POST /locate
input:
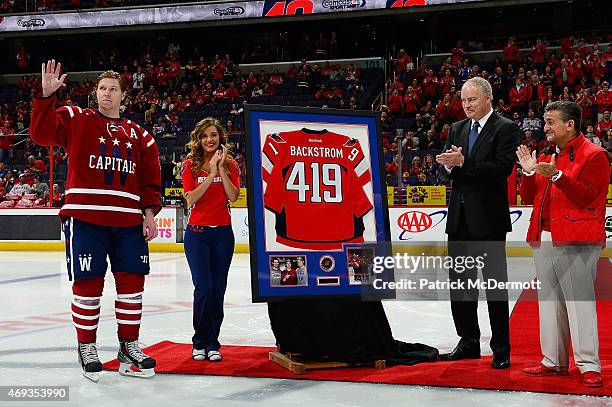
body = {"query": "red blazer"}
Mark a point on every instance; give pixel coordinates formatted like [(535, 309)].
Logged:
[(518, 98), (411, 103), (559, 76), (578, 198), (541, 92)]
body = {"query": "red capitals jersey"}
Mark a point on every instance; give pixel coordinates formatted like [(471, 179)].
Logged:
[(213, 208), (113, 170), (314, 185)]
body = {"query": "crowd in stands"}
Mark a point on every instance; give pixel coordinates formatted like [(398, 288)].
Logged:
[(277, 46), (170, 89), (424, 100), (29, 188)]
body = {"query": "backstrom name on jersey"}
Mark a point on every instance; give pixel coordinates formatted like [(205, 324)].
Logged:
[(324, 152)]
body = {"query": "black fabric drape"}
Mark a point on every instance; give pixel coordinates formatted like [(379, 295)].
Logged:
[(343, 331)]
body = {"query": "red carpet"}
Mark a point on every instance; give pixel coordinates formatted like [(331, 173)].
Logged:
[(248, 361)]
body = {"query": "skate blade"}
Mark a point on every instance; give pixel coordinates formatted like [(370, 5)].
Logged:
[(125, 369), (93, 376)]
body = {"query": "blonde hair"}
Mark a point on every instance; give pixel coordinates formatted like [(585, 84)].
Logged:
[(196, 153), (108, 75), (112, 75)]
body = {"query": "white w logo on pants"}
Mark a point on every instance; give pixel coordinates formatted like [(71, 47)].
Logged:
[(85, 262)]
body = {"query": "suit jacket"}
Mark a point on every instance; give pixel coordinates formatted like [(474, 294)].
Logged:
[(482, 179)]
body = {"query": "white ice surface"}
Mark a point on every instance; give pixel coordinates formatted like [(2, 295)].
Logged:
[(37, 344)]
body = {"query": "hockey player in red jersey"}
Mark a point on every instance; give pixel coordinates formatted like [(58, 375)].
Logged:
[(355, 263), (112, 195)]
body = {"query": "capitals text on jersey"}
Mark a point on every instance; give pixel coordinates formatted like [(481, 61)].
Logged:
[(112, 163)]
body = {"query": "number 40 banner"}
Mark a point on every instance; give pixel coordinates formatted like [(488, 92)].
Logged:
[(317, 204)]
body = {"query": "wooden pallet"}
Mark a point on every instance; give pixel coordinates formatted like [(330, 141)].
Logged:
[(298, 365)]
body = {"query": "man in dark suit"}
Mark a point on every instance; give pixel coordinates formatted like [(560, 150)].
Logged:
[(479, 156)]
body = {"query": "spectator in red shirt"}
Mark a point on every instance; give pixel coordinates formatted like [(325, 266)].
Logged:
[(603, 100), (597, 66), (536, 93), (538, 52), (219, 93), (276, 78), (397, 84), (529, 140), (416, 167), (126, 75), (269, 90), (232, 91), (23, 59), (161, 77), (174, 72), (36, 166), (567, 45), (583, 50), (322, 93), (417, 88), (392, 167), (7, 138), (60, 156), (447, 81), (29, 178), (511, 51), (603, 125), (252, 80), (457, 105), (445, 110), (411, 102), (403, 59), (430, 85), (458, 53), (291, 72), (578, 66), (564, 74), (585, 100), (518, 97), (58, 196), (217, 70), (395, 103)]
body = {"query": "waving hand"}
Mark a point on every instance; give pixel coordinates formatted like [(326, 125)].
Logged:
[(51, 81)]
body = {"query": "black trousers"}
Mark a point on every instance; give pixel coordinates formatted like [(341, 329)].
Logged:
[(491, 250)]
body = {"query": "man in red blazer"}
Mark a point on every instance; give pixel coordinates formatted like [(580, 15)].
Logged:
[(568, 191)]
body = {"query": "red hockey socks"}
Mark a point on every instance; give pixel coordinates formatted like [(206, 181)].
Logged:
[(128, 307), (86, 307)]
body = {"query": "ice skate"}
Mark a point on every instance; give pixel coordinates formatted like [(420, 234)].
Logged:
[(133, 362), (89, 361)]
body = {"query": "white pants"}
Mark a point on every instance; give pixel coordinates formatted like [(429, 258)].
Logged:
[(567, 304)]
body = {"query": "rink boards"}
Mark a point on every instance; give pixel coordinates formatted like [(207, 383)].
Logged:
[(40, 229)]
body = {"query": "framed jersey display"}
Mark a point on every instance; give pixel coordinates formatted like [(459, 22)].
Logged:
[(317, 204)]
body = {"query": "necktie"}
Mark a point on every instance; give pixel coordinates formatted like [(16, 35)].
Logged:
[(473, 137)]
